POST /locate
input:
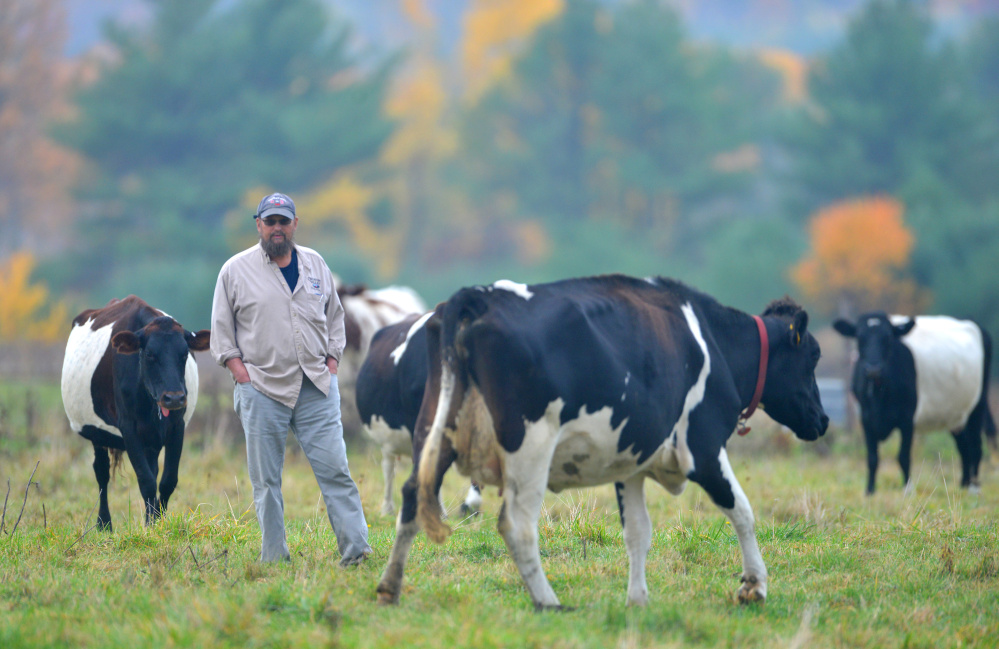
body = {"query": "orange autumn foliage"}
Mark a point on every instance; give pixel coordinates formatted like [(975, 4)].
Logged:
[(25, 310), (859, 259)]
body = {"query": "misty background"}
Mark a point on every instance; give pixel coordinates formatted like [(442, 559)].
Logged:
[(845, 152)]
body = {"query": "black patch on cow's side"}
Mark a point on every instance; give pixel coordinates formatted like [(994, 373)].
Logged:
[(389, 390), (102, 437)]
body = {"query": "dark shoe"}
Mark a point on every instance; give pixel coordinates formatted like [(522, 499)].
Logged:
[(347, 562)]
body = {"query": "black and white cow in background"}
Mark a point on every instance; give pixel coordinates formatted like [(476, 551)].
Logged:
[(588, 381), (129, 383), (924, 373), (389, 392)]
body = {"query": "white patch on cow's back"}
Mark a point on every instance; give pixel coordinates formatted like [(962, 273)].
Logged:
[(514, 287), (402, 298), (694, 396), (392, 441), (949, 357), (401, 349), (84, 351)]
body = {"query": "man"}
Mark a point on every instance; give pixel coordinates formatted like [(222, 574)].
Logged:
[(277, 325)]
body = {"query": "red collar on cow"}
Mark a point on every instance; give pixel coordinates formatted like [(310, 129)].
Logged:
[(761, 377)]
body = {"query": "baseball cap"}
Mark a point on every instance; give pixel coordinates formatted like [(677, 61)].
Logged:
[(275, 203)]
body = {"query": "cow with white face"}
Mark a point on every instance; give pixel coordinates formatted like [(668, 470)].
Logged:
[(389, 392), (596, 380), (129, 383), (922, 374)]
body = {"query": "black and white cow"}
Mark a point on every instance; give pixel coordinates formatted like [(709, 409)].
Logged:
[(924, 373), (129, 383), (389, 392), (605, 379)]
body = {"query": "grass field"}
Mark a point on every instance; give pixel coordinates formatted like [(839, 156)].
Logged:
[(917, 569)]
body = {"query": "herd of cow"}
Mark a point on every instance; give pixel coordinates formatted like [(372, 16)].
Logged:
[(529, 388)]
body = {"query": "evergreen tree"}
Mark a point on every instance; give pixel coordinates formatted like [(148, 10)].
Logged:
[(612, 114), (213, 99), (889, 104)]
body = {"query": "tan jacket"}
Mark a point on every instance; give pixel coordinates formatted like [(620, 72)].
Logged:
[(278, 334)]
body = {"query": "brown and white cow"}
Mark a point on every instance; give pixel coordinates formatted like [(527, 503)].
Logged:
[(595, 380), (129, 383), (365, 312)]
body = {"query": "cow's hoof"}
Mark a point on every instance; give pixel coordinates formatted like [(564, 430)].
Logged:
[(386, 596), (558, 608), (388, 511), (751, 591), (467, 511)]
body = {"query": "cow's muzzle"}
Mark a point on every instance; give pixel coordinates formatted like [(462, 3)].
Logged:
[(173, 400)]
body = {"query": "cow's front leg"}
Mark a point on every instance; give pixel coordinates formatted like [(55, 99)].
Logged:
[(872, 460), (145, 472), (525, 481), (171, 463), (637, 536), (726, 492), (406, 527)]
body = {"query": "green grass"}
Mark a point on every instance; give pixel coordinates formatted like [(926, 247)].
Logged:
[(918, 569)]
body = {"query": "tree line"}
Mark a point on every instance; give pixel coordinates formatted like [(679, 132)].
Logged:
[(558, 139)]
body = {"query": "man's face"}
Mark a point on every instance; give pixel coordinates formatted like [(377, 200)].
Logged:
[(277, 233)]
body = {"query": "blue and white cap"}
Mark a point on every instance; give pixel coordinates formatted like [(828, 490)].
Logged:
[(276, 203)]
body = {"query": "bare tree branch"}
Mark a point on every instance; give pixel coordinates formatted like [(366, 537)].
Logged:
[(87, 531), (32, 477), (4, 517)]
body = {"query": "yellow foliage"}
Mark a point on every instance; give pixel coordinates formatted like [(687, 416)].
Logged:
[(22, 304), (419, 104), (345, 200), (794, 71), (418, 13), (860, 256), (493, 29)]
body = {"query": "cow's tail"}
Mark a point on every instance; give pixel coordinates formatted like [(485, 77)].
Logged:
[(988, 423), (116, 455), (449, 360)]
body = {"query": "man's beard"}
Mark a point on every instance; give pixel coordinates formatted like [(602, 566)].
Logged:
[(277, 249)]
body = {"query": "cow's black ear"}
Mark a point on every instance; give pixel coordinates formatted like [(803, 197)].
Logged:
[(845, 328), (799, 324), (904, 328), (198, 342), (126, 342)]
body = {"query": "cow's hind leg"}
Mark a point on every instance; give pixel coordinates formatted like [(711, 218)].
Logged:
[(969, 446), (102, 471), (905, 455), (720, 483), (406, 527), (637, 536), (473, 501), (524, 484), (388, 472)]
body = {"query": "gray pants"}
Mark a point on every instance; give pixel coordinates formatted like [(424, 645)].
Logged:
[(315, 421)]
